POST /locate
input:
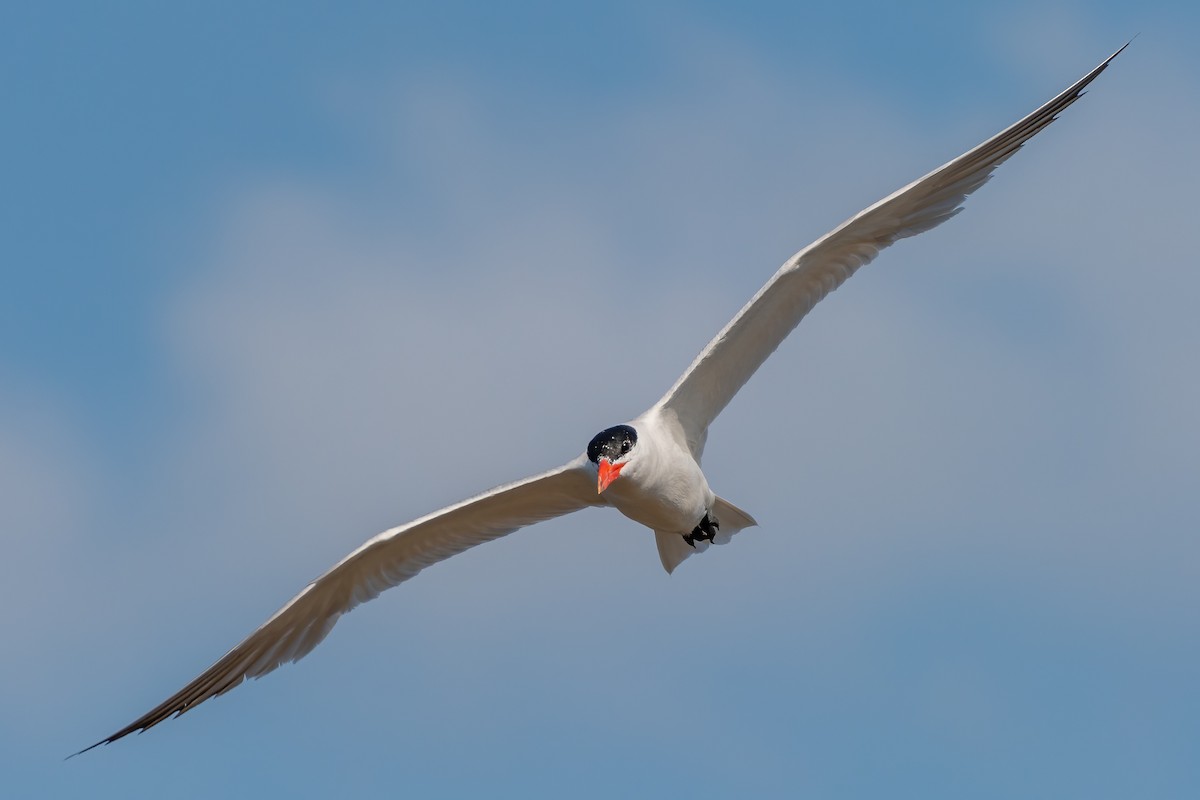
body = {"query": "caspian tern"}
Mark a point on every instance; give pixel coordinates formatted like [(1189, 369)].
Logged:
[(648, 468)]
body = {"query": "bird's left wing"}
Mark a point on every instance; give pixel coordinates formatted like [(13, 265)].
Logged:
[(744, 344), (390, 558)]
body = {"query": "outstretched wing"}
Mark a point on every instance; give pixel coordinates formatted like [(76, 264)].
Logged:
[(390, 558), (744, 344)]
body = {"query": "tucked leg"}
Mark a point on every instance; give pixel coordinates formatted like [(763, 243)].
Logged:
[(705, 531)]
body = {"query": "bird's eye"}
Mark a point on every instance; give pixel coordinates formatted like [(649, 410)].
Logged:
[(625, 445)]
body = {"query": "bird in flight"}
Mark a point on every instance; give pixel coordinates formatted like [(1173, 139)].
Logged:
[(648, 468)]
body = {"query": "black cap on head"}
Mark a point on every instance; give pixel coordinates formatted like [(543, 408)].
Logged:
[(611, 443)]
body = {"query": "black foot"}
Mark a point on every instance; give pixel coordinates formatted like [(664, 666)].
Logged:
[(705, 531)]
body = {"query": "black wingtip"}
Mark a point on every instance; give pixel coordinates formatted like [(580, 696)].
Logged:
[(89, 747), (121, 734), (1104, 64), (1121, 49)]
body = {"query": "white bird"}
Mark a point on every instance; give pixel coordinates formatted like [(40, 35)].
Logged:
[(648, 468)]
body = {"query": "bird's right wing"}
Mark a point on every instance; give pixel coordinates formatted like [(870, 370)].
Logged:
[(382, 562), (744, 344)]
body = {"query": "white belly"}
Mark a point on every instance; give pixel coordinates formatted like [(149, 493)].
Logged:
[(665, 493)]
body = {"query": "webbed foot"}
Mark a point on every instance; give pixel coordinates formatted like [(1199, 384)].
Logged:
[(705, 531)]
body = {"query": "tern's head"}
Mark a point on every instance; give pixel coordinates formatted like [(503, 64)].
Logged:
[(609, 450)]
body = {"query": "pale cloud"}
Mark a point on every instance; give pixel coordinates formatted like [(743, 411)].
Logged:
[(47, 497), (44, 490)]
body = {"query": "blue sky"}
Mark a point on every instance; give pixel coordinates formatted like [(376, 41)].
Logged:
[(277, 278)]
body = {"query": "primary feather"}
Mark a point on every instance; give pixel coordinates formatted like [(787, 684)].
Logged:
[(380, 563), (741, 347)]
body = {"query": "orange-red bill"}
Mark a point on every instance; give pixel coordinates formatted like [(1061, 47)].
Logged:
[(608, 473)]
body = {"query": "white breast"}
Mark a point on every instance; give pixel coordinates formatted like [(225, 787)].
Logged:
[(662, 486)]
